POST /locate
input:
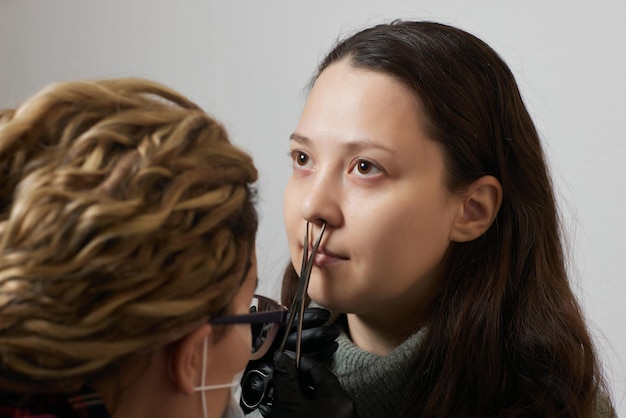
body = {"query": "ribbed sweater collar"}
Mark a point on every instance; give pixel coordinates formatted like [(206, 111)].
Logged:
[(376, 383)]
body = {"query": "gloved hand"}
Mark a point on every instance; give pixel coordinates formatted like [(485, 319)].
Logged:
[(311, 391), (318, 341)]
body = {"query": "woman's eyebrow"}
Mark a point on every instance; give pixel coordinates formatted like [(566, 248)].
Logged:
[(362, 144), (299, 138), (353, 146)]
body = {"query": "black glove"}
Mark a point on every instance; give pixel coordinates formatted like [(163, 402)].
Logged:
[(311, 391), (318, 341)]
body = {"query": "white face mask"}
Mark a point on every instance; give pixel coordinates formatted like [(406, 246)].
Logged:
[(232, 410)]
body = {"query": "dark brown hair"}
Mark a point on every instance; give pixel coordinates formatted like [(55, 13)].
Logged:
[(506, 336)]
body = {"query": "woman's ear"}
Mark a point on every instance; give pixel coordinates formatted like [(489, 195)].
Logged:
[(480, 205), (186, 365)]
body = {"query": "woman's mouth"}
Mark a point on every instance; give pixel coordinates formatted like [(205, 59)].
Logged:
[(325, 257)]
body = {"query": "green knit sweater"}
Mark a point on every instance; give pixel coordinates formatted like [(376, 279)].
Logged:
[(375, 383)]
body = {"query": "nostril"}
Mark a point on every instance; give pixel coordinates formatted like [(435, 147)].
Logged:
[(309, 238), (320, 222)]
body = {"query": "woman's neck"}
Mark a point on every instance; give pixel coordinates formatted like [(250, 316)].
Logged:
[(380, 335)]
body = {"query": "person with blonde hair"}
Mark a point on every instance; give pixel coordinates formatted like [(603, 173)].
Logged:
[(127, 256)]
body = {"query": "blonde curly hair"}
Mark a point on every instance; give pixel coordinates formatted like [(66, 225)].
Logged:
[(126, 216)]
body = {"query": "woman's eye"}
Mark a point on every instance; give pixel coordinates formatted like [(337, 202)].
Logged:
[(300, 158), (366, 167)]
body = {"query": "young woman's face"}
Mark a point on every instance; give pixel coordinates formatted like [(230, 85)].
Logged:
[(363, 163)]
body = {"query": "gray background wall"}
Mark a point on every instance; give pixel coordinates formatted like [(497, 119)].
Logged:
[(247, 62)]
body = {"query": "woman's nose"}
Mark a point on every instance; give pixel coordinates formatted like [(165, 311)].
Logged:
[(321, 201)]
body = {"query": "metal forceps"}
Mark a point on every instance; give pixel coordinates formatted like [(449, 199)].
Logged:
[(297, 306)]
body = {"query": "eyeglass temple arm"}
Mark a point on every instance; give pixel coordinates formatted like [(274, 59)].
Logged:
[(252, 318)]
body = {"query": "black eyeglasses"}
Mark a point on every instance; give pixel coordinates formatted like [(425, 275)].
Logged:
[(265, 318)]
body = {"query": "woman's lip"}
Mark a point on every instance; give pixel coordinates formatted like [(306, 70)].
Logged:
[(324, 257), (328, 253)]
